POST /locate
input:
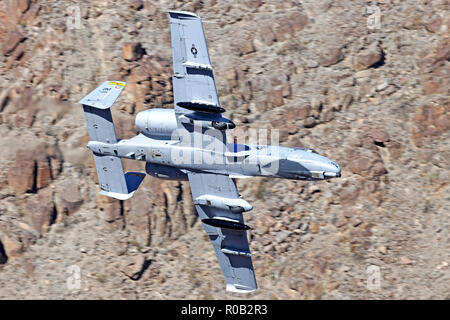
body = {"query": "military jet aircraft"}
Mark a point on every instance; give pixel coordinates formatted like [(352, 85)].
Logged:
[(189, 143)]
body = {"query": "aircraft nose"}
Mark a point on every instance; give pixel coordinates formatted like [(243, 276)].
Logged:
[(333, 170)]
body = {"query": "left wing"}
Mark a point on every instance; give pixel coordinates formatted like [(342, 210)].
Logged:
[(226, 229)]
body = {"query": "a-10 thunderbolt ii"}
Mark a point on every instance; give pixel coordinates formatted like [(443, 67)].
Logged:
[(176, 145)]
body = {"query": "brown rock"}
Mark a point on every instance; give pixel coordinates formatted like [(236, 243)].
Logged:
[(378, 169), (291, 113), (369, 57), (140, 92), (232, 77), (309, 122), (394, 148), (349, 194), (382, 250), (430, 122), (286, 90), (246, 47), (18, 51), (436, 58), (12, 41), (112, 208), (135, 268), (21, 175), (346, 100), (30, 15), (436, 83), (275, 97), (31, 115), (34, 168), (413, 22), (405, 261), (265, 223), (331, 57), (254, 3), (69, 198), (136, 4), (40, 210), (434, 25), (43, 173), (136, 213), (132, 51), (328, 115), (23, 5), (48, 164), (151, 8), (304, 112), (55, 157), (11, 246), (280, 124), (267, 35), (298, 21), (379, 136), (139, 74), (442, 52), (361, 166), (314, 227), (283, 30)]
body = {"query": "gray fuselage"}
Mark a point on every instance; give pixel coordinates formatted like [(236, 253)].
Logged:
[(168, 159)]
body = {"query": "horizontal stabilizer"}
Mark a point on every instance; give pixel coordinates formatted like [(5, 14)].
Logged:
[(133, 181), (104, 96)]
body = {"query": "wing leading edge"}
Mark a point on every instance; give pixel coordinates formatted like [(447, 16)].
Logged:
[(229, 239)]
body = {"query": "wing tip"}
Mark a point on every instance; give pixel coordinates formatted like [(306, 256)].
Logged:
[(183, 13), (117, 195), (239, 289)]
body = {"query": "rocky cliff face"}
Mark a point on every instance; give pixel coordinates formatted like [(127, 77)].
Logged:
[(375, 100)]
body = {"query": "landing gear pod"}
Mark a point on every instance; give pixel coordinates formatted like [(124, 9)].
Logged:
[(234, 205)]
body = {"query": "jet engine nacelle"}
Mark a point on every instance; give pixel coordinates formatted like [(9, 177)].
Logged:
[(165, 172), (234, 205), (157, 122)]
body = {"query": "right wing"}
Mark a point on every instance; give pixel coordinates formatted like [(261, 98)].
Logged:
[(230, 244), (193, 80), (194, 88)]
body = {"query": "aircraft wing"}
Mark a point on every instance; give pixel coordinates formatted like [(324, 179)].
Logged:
[(225, 230), (194, 88), (193, 79)]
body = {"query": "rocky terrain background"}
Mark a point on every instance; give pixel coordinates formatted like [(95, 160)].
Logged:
[(374, 100)]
